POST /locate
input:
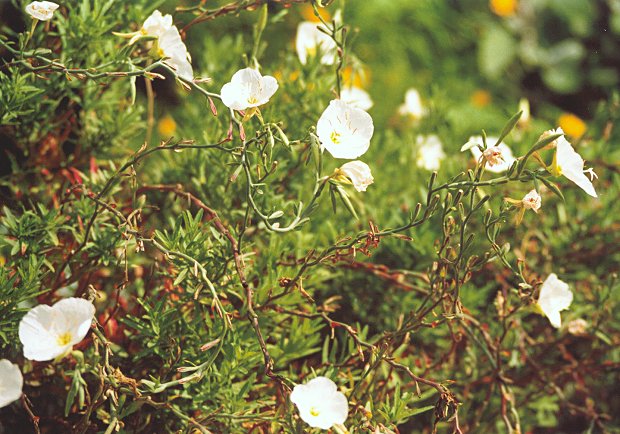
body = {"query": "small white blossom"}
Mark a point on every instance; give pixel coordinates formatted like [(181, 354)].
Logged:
[(172, 47), (554, 297), (577, 327), (156, 24), (413, 105), (43, 11), (248, 88), (320, 404), (310, 41), (532, 201), (429, 152), (11, 383), (356, 97), (345, 131), (499, 158), (569, 163), (359, 174), (47, 332)]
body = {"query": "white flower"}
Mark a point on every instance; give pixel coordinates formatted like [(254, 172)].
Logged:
[(412, 105), (569, 163), (499, 158), (359, 174), (532, 201), (47, 332), (554, 297), (41, 10), (320, 404), (310, 40), (11, 383), (577, 327), (356, 97), (156, 24), (429, 152), (345, 131), (248, 88), (171, 46)]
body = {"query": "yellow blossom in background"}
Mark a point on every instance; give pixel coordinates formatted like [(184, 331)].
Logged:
[(307, 12), (356, 77), (166, 126), (481, 98), (572, 125), (504, 8)]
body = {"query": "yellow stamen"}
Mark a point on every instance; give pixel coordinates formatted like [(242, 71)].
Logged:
[(252, 100), (314, 412), (64, 339), (335, 137)]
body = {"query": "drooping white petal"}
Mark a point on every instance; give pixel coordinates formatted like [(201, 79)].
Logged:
[(499, 165), (570, 164), (356, 97), (413, 105), (248, 88), (555, 296), (47, 332), (359, 174), (319, 403), (429, 152), (310, 41), (11, 383), (43, 11), (345, 131), (156, 24), (532, 201), (172, 47)]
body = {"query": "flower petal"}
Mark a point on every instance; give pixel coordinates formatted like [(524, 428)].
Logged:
[(11, 382)]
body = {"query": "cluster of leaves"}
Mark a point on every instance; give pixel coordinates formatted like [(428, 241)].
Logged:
[(209, 309)]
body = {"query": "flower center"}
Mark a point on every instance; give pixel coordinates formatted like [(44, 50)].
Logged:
[(252, 100), (314, 412), (64, 339), (335, 137)]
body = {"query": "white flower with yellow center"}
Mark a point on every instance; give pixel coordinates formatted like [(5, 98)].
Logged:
[(311, 41), (554, 297), (532, 201), (412, 106), (429, 152), (356, 97), (247, 89), (345, 131), (173, 49), (498, 158), (569, 163), (43, 11), (156, 24), (320, 404), (47, 332), (358, 173), (11, 383)]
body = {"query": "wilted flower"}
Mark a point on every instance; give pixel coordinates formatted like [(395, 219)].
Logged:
[(554, 297), (577, 327), (413, 105), (532, 201), (359, 174), (47, 332), (319, 403), (310, 41), (248, 88), (41, 10), (429, 152), (499, 158), (172, 47), (11, 382), (569, 163), (156, 24), (345, 131), (356, 97)]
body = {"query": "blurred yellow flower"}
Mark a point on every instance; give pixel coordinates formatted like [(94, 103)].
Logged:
[(358, 77), (572, 125), (307, 12), (504, 8), (481, 98), (166, 126)]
